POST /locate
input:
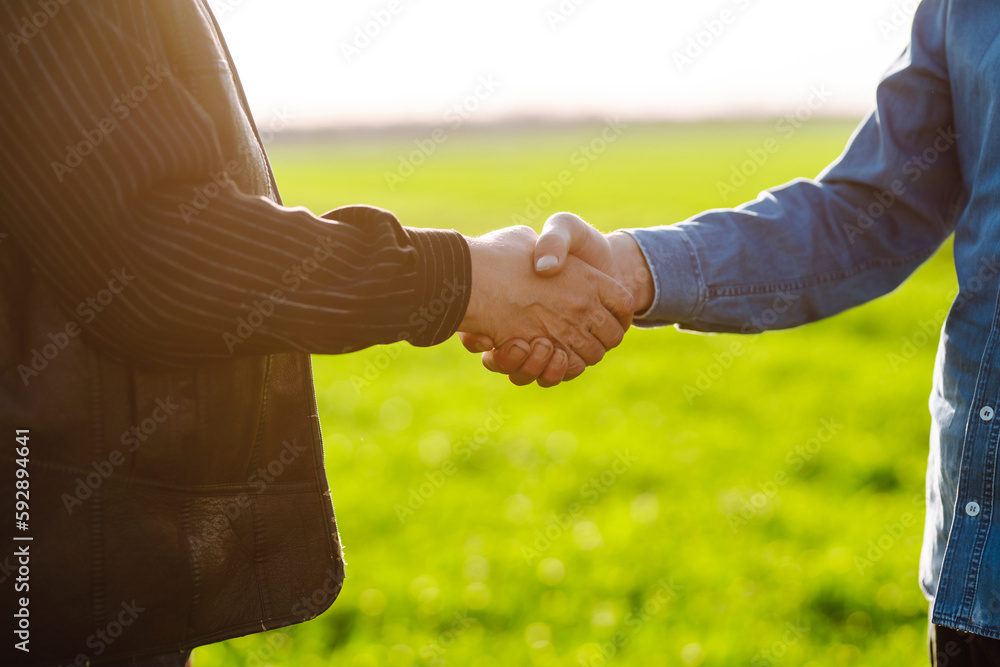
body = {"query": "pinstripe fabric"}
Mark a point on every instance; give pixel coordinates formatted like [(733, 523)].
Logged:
[(108, 163), (136, 203)]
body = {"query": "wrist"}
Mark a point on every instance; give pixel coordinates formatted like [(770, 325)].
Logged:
[(632, 270), (472, 322)]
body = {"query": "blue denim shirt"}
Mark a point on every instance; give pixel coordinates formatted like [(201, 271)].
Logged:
[(923, 165)]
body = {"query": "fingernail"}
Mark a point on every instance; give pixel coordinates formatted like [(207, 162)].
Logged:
[(560, 359), (519, 353), (483, 347), (546, 263)]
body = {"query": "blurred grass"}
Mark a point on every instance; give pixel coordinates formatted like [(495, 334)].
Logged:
[(719, 543)]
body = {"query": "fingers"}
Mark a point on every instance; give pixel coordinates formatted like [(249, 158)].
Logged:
[(566, 234), (607, 329), (595, 309), (536, 363), (574, 367), (555, 372), (476, 342), (583, 311), (544, 364), (507, 358), (549, 366), (553, 245), (617, 300), (490, 362), (587, 348)]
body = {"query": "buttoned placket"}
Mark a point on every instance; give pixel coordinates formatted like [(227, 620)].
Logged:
[(964, 553)]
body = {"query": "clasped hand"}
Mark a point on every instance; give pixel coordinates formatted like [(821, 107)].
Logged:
[(571, 292)]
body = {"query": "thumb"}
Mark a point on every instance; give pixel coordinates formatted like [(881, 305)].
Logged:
[(566, 234), (476, 342)]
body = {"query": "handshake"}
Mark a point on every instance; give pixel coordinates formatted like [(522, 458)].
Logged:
[(543, 308)]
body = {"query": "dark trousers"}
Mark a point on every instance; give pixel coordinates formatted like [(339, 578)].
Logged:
[(957, 648)]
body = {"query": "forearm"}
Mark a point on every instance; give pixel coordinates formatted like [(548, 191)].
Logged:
[(149, 242), (813, 248), (249, 277), (780, 262)]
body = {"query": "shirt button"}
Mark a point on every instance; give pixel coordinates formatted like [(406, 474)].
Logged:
[(972, 509), (986, 414)]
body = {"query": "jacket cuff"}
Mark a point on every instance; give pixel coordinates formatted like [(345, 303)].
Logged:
[(680, 286), (444, 275)]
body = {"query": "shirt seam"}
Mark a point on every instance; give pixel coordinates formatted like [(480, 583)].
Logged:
[(816, 279), (701, 300)]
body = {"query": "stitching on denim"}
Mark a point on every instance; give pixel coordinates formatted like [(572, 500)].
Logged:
[(703, 293), (816, 279)]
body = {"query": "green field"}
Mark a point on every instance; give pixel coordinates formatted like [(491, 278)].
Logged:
[(755, 476)]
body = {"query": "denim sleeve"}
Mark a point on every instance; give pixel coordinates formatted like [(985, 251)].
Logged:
[(813, 248)]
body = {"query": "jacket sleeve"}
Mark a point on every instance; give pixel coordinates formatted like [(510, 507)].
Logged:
[(116, 190), (813, 248)]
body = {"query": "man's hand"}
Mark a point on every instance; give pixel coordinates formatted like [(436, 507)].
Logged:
[(566, 237), (581, 312), (617, 254)]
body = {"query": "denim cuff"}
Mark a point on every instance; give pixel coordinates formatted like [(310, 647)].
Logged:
[(680, 287)]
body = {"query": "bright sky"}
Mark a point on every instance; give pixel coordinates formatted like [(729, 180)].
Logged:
[(377, 62)]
